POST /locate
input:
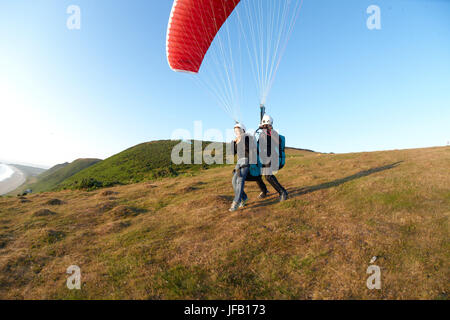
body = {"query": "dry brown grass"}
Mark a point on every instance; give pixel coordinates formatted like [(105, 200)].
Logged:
[(175, 239)]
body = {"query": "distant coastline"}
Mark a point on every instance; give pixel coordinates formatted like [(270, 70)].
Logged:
[(17, 179)]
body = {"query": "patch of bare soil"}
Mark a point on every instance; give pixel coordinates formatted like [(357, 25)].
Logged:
[(54, 202), (43, 213)]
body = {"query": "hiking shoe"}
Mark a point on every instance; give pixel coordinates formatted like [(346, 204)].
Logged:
[(262, 195), (234, 207), (283, 196)]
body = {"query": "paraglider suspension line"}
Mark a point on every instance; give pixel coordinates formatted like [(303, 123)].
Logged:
[(263, 111)]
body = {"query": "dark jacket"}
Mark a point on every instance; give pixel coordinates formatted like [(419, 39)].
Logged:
[(269, 143), (242, 149)]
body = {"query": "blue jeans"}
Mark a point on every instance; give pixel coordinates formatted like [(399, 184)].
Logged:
[(239, 181)]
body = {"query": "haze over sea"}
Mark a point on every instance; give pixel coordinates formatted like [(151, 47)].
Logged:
[(5, 172)]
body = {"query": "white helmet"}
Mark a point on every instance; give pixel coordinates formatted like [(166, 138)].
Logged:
[(240, 125), (267, 120)]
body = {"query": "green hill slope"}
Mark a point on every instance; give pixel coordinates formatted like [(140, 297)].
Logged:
[(52, 170), (146, 161), (51, 178)]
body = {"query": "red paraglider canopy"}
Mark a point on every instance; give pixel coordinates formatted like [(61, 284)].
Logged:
[(192, 28)]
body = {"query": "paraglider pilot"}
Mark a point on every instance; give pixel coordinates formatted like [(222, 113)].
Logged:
[(268, 142)]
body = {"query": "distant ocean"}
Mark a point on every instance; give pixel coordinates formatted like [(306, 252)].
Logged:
[(5, 172)]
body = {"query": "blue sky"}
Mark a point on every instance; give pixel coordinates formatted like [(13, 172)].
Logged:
[(66, 94)]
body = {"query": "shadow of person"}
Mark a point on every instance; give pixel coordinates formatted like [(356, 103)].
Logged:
[(295, 192)]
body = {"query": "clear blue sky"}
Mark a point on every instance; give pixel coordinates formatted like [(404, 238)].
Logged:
[(99, 90)]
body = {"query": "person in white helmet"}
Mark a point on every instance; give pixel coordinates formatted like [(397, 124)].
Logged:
[(269, 142), (242, 146)]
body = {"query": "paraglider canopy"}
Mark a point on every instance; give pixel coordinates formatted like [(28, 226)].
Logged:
[(193, 24)]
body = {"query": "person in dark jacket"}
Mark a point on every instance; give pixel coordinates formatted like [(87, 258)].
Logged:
[(268, 142)]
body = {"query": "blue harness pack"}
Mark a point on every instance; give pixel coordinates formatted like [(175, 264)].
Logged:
[(255, 169)]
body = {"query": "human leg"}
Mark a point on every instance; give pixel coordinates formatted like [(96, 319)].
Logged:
[(277, 186)]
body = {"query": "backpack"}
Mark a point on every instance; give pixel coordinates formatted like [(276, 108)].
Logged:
[(255, 169), (281, 152)]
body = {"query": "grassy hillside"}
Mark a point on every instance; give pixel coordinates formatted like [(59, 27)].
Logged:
[(31, 180), (146, 161), (174, 238), (51, 178), (53, 169)]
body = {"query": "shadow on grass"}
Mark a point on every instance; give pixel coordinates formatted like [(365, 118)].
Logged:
[(295, 192)]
